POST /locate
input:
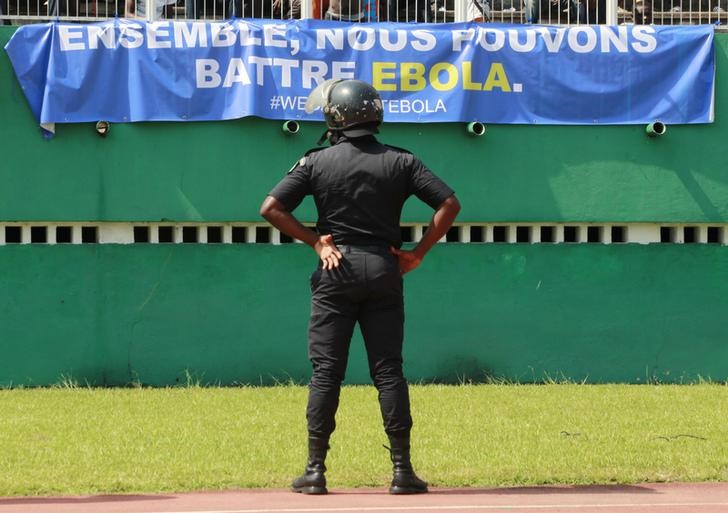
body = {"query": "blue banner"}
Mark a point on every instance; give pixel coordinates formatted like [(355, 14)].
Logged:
[(129, 70)]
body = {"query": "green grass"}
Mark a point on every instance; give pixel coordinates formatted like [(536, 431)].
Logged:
[(76, 440)]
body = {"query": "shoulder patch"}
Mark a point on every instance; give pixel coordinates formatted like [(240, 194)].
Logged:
[(398, 148), (314, 150), (301, 162)]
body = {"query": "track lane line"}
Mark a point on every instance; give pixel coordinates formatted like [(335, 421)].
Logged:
[(464, 507)]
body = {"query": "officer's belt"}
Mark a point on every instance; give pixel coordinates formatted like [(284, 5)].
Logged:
[(348, 248)]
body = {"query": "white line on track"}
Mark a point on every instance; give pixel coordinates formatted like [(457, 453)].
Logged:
[(465, 507)]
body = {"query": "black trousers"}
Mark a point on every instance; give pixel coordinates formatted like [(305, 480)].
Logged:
[(365, 288)]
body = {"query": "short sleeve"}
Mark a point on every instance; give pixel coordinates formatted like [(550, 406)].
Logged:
[(295, 186), (427, 186)]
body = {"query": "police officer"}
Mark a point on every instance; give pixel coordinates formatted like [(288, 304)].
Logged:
[(359, 187)]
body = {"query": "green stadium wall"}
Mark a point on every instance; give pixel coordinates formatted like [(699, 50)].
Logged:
[(161, 314)]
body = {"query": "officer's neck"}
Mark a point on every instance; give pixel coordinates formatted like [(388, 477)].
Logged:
[(336, 138)]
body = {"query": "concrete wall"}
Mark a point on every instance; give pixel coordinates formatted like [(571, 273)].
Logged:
[(112, 314)]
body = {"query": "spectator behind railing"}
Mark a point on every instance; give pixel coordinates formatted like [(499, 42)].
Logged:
[(592, 12), (138, 9), (267, 9), (402, 11), (355, 11), (193, 9), (479, 10), (62, 8), (641, 10), (345, 10), (289, 10), (552, 11)]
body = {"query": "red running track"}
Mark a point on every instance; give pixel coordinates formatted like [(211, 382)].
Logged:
[(644, 498)]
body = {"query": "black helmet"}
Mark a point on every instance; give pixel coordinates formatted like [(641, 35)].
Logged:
[(349, 106)]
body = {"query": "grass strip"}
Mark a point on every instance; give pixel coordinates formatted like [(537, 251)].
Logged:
[(65, 441)]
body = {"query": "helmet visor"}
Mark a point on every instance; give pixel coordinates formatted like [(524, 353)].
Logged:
[(319, 97)]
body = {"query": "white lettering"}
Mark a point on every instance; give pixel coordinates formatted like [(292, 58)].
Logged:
[(405, 106), (387, 42), (314, 72), (369, 38), (190, 35), (644, 34), (553, 44), (343, 70), (286, 66), (222, 35), (67, 34), (499, 39), (293, 102), (272, 32), (131, 36), (107, 36), (609, 39), (236, 73), (288, 102), (156, 31), (335, 37), (588, 45), (260, 64), (246, 38), (206, 72), (425, 41), (517, 46), (458, 36)]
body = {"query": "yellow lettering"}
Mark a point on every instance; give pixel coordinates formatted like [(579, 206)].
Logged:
[(452, 76), (380, 73), (412, 76), (442, 76), (497, 78), (468, 83)]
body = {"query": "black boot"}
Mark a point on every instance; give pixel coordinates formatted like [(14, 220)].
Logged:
[(404, 479), (313, 481)]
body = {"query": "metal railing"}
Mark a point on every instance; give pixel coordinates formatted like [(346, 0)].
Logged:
[(559, 12), (33, 11), (658, 12), (262, 233)]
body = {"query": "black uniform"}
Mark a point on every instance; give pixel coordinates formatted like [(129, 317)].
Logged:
[(359, 186)]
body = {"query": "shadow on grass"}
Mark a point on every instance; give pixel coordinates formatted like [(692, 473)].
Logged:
[(92, 499), (548, 490), (520, 490), (524, 490)]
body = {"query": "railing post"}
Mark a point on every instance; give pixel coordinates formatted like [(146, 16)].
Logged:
[(306, 9), (151, 6), (461, 10), (611, 14)]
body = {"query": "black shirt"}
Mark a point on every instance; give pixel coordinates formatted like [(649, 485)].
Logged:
[(359, 186)]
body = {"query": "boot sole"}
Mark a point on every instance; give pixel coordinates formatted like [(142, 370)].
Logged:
[(311, 490), (399, 490)]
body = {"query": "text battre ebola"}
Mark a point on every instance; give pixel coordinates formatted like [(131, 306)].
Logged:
[(386, 76), (126, 35)]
